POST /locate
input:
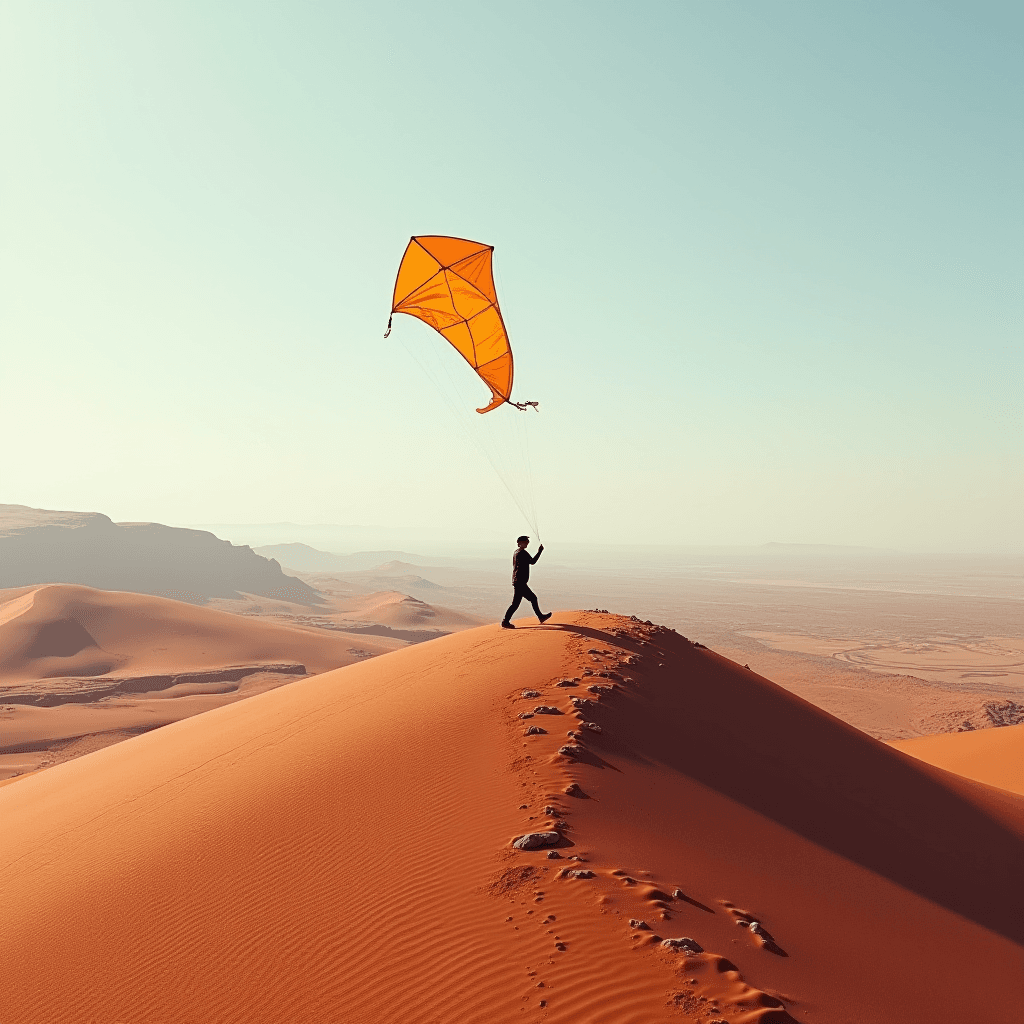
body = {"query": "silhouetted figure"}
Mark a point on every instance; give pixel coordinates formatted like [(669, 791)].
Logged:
[(521, 562)]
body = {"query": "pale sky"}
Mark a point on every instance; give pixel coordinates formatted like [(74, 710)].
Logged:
[(761, 264)]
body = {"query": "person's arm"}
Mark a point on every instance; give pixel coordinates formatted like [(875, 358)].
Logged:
[(533, 561)]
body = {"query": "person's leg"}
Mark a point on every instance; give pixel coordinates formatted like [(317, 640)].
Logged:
[(517, 600), (532, 598)]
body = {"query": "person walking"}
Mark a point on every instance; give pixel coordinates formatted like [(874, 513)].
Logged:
[(521, 562)]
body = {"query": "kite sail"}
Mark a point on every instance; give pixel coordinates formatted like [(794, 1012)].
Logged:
[(448, 284)]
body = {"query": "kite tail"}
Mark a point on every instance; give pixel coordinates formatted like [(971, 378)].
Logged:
[(388, 331), (523, 406)]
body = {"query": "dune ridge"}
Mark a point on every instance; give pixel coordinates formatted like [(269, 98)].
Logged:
[(343, 849)]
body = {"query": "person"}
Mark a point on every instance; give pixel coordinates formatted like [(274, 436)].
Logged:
[(521, 562)]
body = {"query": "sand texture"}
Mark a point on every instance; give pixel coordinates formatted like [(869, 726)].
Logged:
[(992, 756), (341, 849), (82, 668)]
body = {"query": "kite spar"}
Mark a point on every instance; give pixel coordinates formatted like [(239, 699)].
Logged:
[(448, 283)]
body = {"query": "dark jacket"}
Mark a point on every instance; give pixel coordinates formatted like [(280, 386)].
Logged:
[(521, 562)]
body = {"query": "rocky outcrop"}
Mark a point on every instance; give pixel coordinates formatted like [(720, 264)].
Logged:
[(87, 548)]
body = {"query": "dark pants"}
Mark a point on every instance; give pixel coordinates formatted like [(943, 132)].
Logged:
[(517, 600)]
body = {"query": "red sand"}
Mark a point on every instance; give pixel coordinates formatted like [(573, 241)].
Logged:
[(82, 668), (340, 850), (992, 756)]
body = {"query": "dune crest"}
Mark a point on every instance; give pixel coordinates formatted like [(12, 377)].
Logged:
[(345, 849)]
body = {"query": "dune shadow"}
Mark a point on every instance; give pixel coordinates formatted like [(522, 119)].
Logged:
[(693, 903), (942, 837)]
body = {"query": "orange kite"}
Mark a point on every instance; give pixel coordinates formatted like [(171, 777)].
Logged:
[(447, 283)]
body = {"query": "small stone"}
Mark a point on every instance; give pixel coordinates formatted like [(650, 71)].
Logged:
[(527, 694), (573, 789), (579, 873), (540, 984), (689, 945), (639, 925), (571, 734), (543, 709), (535, 730), (566, 682), (526, 714), (592, 726), (571, 750), (535, 840), (677, 894), (560, 946), (550, 811), (554, 855), (592, 650)]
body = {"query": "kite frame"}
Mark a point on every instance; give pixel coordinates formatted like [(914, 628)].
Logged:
[(395, 302)]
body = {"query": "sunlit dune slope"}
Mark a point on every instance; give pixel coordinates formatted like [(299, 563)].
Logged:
[(391, 608), (60, 630), (992, 756), (341, 850)]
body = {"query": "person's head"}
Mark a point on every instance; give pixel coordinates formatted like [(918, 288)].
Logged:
[(523, 542)]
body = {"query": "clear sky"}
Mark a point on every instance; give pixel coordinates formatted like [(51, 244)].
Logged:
[(761, 263)]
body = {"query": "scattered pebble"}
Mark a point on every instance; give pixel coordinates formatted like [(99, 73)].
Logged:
[(526, 714), (642, 926), (560, 946), (524, 807), (571, 750), (571, 734), (573, 789), (543, 709), (554, 855), (527, 694), (552, 811), (592, 726), (678, 894), (535, 840), (535, 730), (567, 682), (688, 944), (579, 873)]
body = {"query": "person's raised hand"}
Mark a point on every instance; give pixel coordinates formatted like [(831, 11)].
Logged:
[(540, 549)]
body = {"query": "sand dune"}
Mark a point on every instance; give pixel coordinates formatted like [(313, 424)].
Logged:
[(341, 849), (992, 756), (77, 662)]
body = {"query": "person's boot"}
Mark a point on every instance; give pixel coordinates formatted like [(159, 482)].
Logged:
[(505, 624), (544, 618)]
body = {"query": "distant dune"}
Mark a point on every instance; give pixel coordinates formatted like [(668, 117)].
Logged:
[(992, 756), (42, 546), (341, 849), (78, 662)]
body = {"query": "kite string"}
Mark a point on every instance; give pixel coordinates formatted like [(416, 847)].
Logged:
[(521, 490)]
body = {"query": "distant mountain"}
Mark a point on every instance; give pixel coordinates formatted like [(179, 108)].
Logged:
[(304, 558), (87, 548)]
